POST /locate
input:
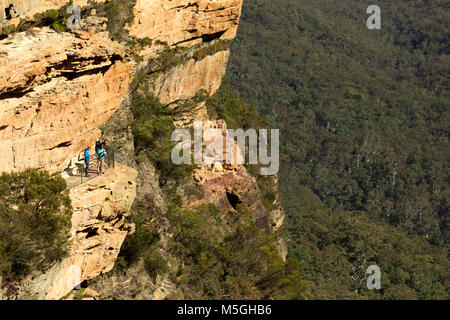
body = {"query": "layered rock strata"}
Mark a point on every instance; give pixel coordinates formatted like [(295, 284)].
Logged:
[(98, 230), (56, 89)]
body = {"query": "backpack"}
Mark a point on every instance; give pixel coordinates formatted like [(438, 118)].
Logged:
[(97, 145)]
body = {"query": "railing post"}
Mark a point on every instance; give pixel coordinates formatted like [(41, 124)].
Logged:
[(109, 160)]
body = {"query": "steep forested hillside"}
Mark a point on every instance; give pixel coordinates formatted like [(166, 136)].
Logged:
[(365, 122)]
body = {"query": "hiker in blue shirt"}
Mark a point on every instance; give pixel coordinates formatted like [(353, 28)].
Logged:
[(87, 160), (101, 154)]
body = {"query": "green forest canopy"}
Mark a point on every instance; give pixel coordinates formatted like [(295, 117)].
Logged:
[(364, 125), (35, 211)]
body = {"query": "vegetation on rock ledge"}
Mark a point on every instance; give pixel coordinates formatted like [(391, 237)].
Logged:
[(35, 212)]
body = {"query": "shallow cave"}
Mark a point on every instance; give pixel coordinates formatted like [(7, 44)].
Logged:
[(212, 36), (91, 232), (233, 199), (62, 145)]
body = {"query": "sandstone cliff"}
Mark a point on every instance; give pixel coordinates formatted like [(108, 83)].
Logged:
[(185, 21), (56, 89), (60, 91), (26, 9), (185, 80), (98, 230)]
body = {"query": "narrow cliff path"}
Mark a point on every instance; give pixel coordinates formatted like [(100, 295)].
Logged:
[(75, 175), (76, 180), (98, 229)]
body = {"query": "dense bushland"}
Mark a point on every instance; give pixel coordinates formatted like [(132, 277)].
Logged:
[(214, 255), (35, 212), (364, 121), (225, 256)]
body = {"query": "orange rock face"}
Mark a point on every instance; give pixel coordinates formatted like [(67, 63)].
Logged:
[(55, 91), (28, 8), (230, 189), (97, 232), (184, 21), (184, 81)]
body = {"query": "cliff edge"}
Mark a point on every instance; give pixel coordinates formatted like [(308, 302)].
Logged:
[(61, 90)]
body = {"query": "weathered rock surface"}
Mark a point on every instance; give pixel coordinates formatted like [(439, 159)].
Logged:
[(229, 185), (185, 21), (26, 9), (56, 90), (228, 190), (98, 230), (185, 80)]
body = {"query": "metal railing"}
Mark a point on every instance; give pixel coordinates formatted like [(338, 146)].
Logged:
[(79, 177)]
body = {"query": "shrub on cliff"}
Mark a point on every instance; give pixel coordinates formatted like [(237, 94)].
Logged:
[(203, 52), (166, 60), (227, 256), (119, 14), (139, 243), (152, 130), (154, 263), (54, 18), (225, 104), (35, 212)]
